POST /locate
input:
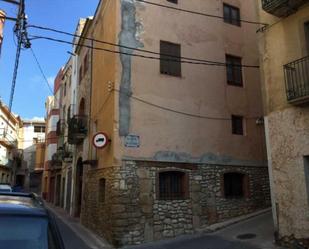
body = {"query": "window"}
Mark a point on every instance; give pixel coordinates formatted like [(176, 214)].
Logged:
[(39, 129), (306, 166), (237, 125), (173, 1), (80, 74), (173, 185), (102, 183), (231, 14), (170, 58), (65, 89), (85, 63), (27, 232), (307, 36), (234, 70), (236, 185)]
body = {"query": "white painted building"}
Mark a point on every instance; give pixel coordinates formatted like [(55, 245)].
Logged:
[(9, 137)]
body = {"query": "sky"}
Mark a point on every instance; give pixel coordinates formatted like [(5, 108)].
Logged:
[(31, 89)]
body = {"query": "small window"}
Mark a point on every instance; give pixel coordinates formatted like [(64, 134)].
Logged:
[(65, 89), (234, 70), (170, 65), (173, 1), (85, 64), (306, 166), (39, 129), (237, 125), (231, 14), (235, 185), (102, 183), (80, 74), (172, 185)]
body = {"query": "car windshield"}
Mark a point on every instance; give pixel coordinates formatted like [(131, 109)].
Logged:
[(23, 232)]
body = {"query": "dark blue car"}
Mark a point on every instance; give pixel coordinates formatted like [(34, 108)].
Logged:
[(26, 224)]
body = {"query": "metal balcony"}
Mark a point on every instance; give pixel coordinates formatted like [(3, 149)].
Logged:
[(56, 161), (77, 129), (282, 8), (65, 152), (297, 81), (60, 127)]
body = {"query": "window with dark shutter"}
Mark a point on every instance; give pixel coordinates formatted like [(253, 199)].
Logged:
[(170, 58), (234, 70), (231, 14), (234, 185), (172, 185), (80, 74), (85, 64), (237, 125), (173, 1)]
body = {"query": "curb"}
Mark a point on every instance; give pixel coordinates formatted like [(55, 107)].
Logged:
[(92, 240)]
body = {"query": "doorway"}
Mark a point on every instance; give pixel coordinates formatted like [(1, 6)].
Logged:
[(79, 186)]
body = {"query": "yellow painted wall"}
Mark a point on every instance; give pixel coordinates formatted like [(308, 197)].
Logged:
[(104, 71), (40, 156)]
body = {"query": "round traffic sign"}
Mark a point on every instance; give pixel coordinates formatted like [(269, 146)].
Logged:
[(100, 140)]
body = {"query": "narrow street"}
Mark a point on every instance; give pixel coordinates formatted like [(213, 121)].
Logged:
[(70, 238), (260, 227)]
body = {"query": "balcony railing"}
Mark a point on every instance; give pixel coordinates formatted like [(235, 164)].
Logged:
[(65, 152), (56, 161), (60, 127), (297, 81), (282, 8), (77, 129)]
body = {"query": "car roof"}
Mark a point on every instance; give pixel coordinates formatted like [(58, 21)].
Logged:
[(5, 186), (21, 204)]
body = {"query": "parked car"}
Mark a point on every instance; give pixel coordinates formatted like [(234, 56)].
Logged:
[(5, 187), (26, 224)]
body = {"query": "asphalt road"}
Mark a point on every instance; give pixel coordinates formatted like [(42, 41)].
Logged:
[(261, 227), (201, 242), (70, 238)]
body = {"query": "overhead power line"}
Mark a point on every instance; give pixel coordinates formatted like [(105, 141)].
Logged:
[(118, 45), (215, 63), (198, 13), (11, 1), (34, 37), (153, 104), (177, 111), (41, 71)]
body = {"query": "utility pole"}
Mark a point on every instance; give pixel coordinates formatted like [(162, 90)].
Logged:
[(22, 41), (22, 36)]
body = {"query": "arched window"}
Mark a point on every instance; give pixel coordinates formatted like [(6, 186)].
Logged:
[(236, 185), (172, 185)]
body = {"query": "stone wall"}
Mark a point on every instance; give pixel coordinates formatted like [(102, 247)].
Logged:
[(132, 214)]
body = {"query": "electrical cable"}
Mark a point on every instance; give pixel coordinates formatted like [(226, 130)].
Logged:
[(34, 37), (132, 48), (42, 72), (198, 13)]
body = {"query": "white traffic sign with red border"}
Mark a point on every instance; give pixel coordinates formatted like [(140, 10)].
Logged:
[(100, 140)]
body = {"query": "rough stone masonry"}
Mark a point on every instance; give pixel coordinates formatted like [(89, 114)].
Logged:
[(131, 212)]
